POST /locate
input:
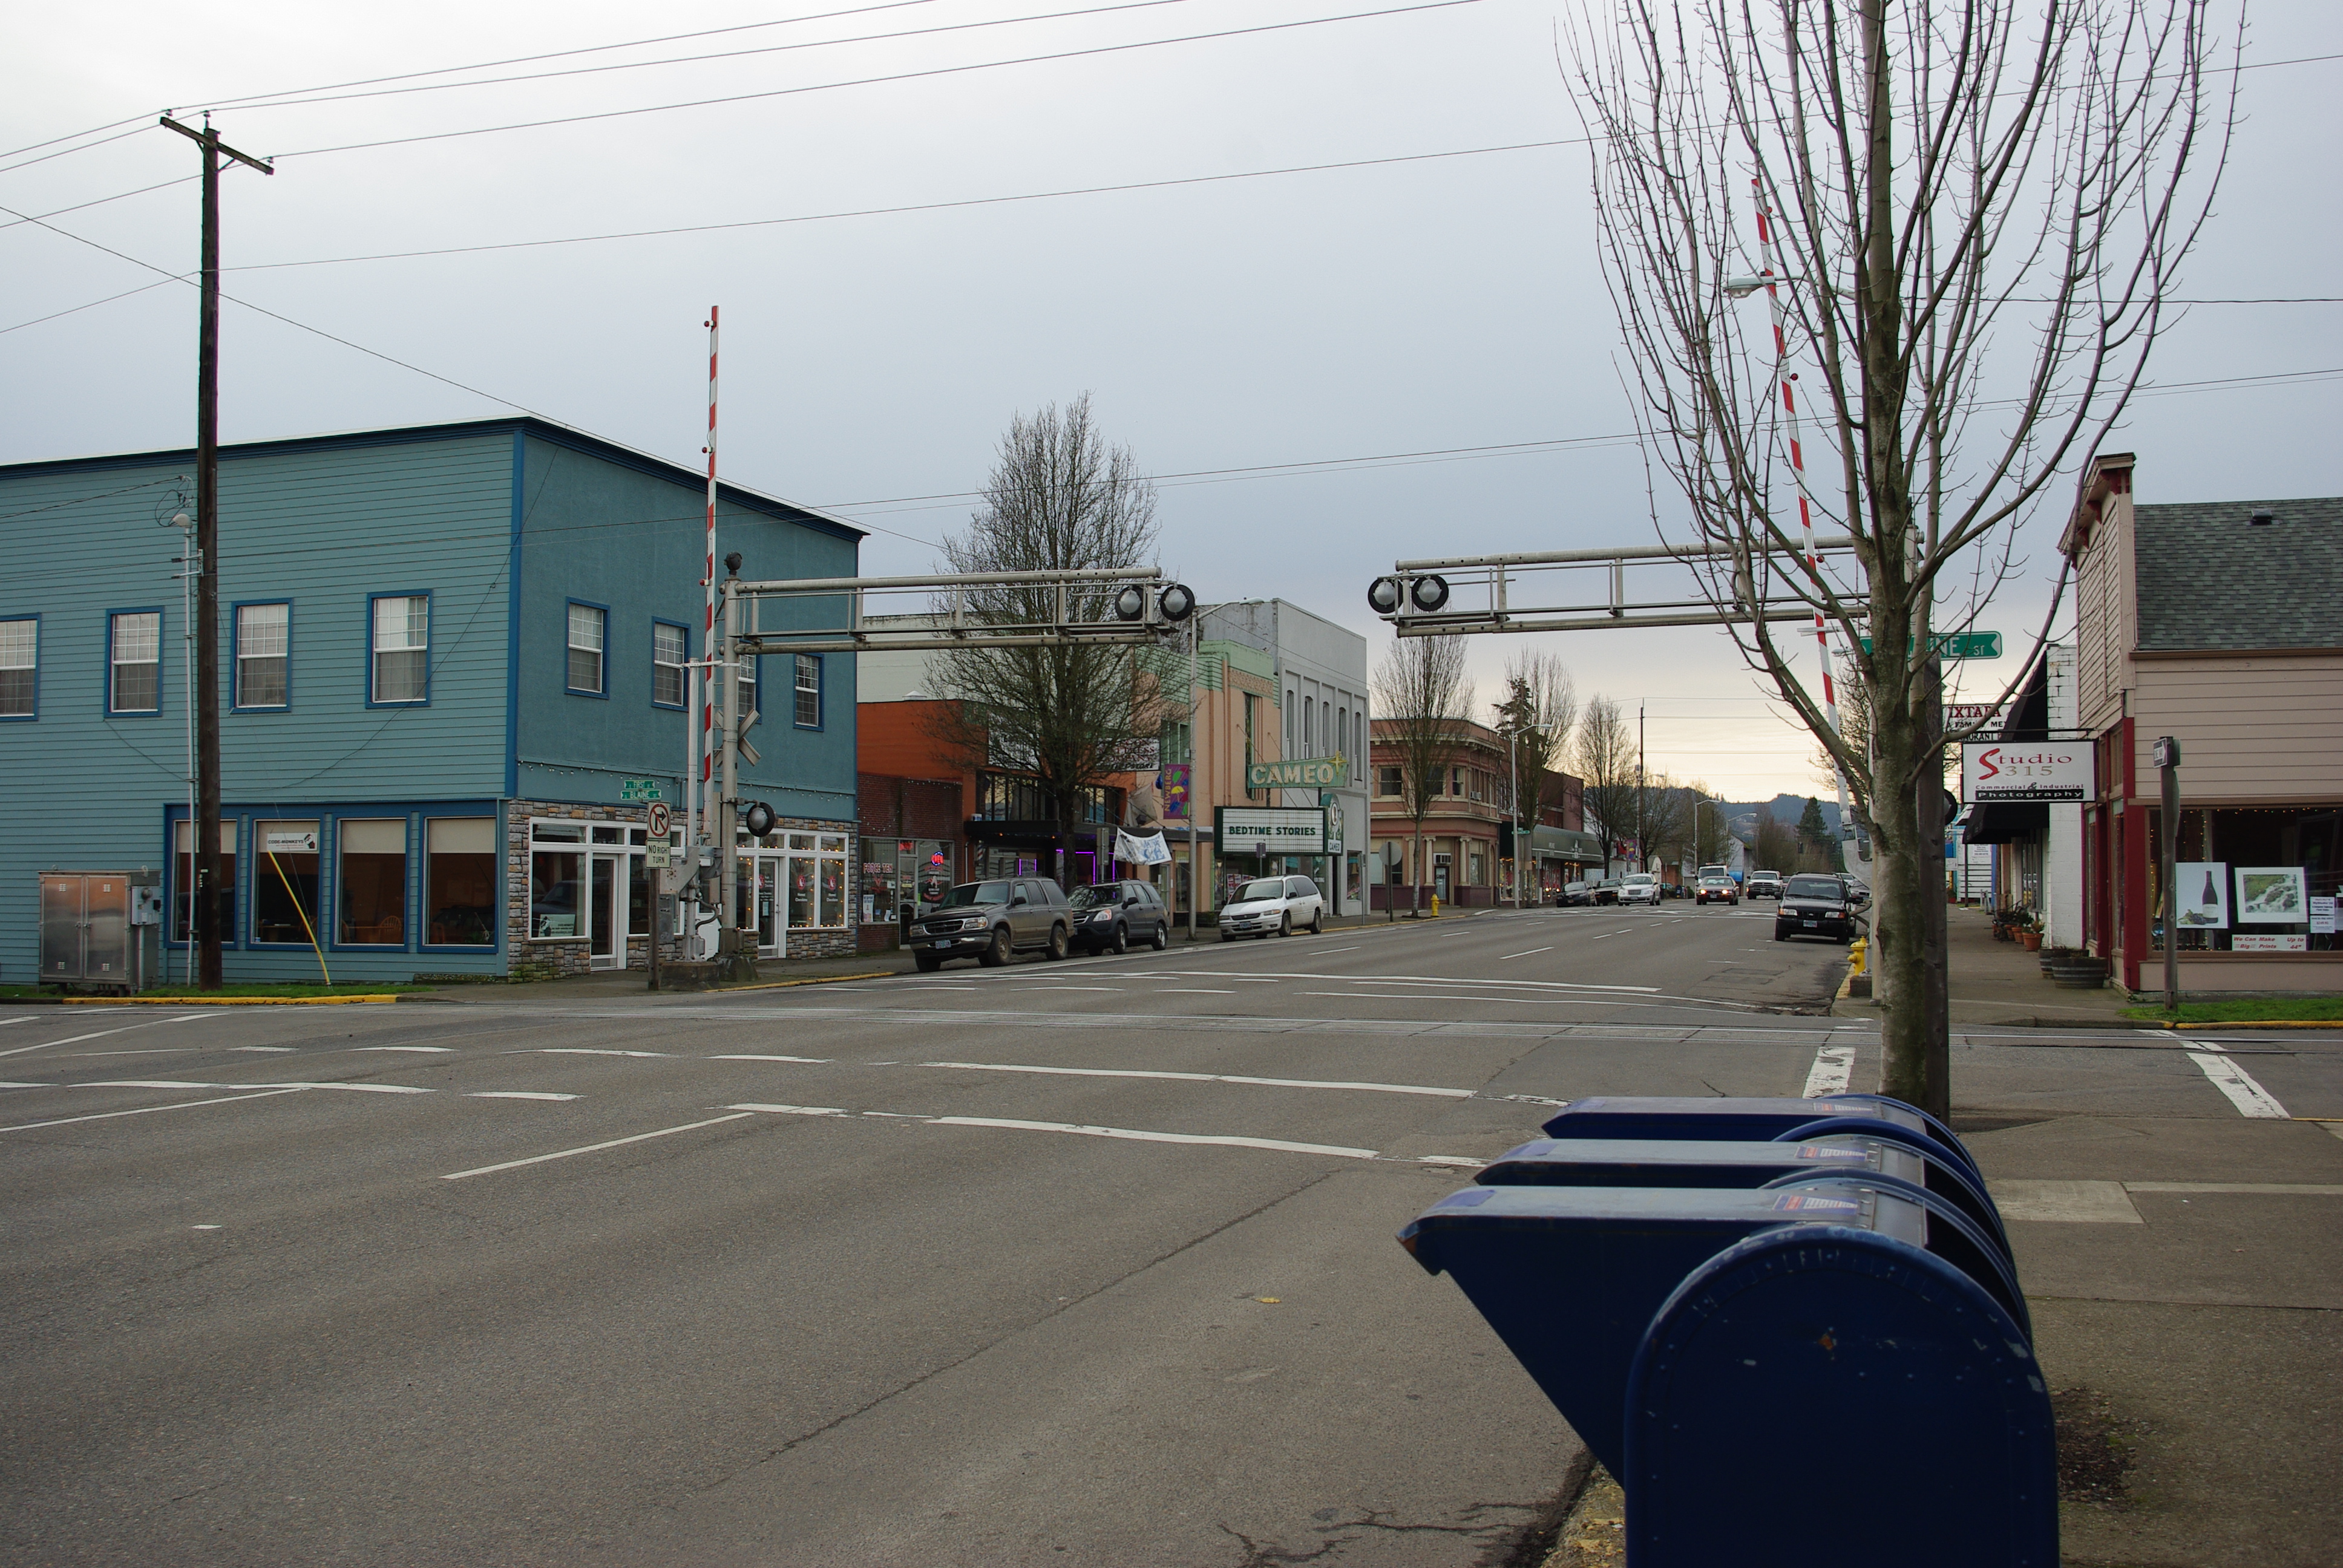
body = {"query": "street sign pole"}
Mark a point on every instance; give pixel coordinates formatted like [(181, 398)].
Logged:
[(2168, 764)]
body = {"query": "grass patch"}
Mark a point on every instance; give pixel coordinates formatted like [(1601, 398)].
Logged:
[(255, 988), (2245, 1010)]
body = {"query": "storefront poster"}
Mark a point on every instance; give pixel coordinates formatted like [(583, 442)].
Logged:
[(2322, 917), (2203, 901), (2271, 896), (2242, 943)]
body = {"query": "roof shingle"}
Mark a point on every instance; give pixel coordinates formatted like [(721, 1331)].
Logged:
[(2208, 578)]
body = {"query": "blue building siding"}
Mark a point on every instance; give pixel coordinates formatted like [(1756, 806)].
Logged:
[(500, 523)]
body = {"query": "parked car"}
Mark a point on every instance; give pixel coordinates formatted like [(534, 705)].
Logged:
[(1816, 905), (989, 921), (1277, 904), (1859, 889), (1763, 885), (1572, 895), (1605, 891), (1640, 888), (1110, 916), (1716, 890)]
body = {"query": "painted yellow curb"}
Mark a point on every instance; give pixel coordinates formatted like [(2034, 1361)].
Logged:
[(216, 1000), (785, 984), (2261, 1023)]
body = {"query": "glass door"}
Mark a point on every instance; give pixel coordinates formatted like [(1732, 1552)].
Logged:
[(607, 927)]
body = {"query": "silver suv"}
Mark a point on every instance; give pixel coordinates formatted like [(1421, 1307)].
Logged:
[(988, 922), (1279, 904)]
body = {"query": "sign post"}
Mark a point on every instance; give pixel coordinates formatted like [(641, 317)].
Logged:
[(2168, 764)]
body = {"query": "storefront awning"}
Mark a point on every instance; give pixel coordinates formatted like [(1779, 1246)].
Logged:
[(2006, 821), (1565, 844)]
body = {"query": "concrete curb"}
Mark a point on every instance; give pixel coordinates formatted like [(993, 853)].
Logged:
[(785, 984), (2334, 1023)]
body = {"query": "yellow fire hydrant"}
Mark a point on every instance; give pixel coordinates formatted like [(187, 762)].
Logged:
[(1855, 952), (1435, 905)]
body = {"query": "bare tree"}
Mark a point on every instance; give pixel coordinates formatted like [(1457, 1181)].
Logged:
[(1775, 847), (1541, 705), (1980, 207), (1664, 820), (1607, 755), (1421, 699), (1060, 497)]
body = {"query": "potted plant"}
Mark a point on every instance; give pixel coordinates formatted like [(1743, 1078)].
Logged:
[(2029, 934)]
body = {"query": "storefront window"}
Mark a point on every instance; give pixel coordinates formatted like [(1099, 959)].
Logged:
[(459, 888), (184, 894), (556, 878), (284, 882), (2250, 878), (801, 892), (373, 882)]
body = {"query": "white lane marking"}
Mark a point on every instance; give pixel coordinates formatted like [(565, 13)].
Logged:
[(796, 1110), (142, 1050), (184, 1083), (2279, 1189), (1192, 990), (1465, 1159), (808, 1061), (1047, 987), (592, 1148), (1685, 1005), (260, 1048), (1207, 1078), (1833, 1066), (514, 1094), (203, 1227), (2233, 1081), (586, 1050), (423, 1050), (28, 1086), (1351, 949), (1277, 1144), (20, 1017), (149, 1110), (2066, 1202), (101, 1034), (1528, 985), (2336, 1128), (1531, 952)]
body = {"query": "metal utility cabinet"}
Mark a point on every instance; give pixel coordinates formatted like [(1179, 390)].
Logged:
[(100, 928)]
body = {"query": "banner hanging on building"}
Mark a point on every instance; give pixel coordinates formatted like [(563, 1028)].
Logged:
[(1142, 849)]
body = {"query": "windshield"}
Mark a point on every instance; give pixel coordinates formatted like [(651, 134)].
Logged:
[(1106, 895), (969, 893), (1267, 888), (1813, 888), (1641, 879)]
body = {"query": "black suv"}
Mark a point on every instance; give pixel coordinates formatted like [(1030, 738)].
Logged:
[(1110, 916), (988, 920), (1814, 905)]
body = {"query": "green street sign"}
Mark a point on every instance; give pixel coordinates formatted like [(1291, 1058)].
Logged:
[(640, 789), (1960, 644)]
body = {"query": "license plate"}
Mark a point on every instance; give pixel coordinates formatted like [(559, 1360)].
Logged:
[(1806, 922), (946, 942)]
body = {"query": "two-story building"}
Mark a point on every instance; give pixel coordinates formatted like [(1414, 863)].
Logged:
[(452, 677), (2220, 624)]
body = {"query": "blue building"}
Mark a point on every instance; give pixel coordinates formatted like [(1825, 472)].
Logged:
[(445, 651)]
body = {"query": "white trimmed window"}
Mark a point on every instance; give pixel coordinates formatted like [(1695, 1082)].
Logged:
[(20, 665), (670, 646), (263, 637), (135, 660), (588, 629), (402, 648), (809, 691)]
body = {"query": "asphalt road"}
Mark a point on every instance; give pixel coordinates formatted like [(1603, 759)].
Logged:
[(1085, 1262)]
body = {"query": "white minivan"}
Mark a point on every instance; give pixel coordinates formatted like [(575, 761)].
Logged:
[(1279, 904)]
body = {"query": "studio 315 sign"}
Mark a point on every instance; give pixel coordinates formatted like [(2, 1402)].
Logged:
[(2028, 770)]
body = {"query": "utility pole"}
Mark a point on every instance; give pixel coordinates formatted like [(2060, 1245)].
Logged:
[(205, 904), (1195, 770), (1643, 855)]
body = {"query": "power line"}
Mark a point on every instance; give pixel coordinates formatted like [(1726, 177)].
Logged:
[(875, 81), (145, 122), (719, 54)]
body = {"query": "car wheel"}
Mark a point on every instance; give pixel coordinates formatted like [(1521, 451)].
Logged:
[(1058, 943), (1318, 922), (996, 952), (1781, 936), (1122, 938), (1228, 936), (928, 963), (1285, 924), (1162, 936)]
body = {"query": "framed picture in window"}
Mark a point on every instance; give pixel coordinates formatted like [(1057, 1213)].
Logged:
[(2271, 896), (2203, 887)]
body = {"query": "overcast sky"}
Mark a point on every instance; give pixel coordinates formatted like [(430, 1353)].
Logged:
[(872, 361)]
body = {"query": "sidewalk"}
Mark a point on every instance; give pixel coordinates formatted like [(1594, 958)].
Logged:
[(2002, 984)]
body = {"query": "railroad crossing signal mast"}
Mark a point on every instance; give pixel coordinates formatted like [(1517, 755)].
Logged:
[(834, 615)]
